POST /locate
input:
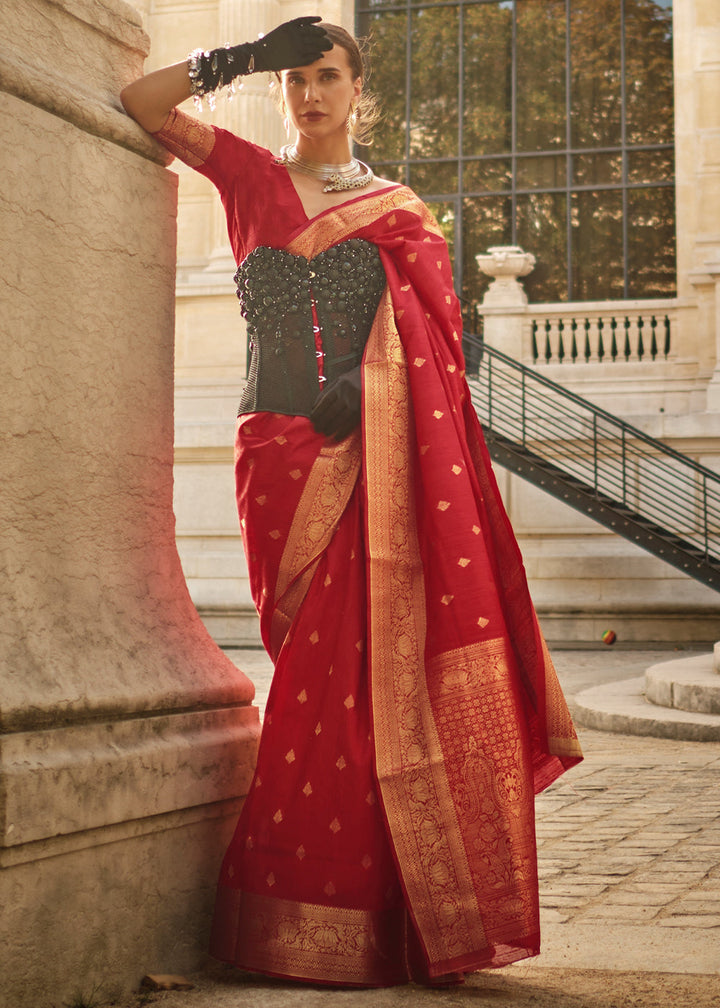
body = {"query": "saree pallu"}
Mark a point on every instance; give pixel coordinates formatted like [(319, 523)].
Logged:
[(414, 710)]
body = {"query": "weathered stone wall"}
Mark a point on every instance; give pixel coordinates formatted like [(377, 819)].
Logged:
[(126, 736)]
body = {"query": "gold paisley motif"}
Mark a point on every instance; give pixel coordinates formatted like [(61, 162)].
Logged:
[(479, 719)]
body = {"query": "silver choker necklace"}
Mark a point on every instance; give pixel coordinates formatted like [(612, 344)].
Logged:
[(337, 177)]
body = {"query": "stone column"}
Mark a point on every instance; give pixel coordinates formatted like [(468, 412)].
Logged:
[(706, 281), (696, 35), (250, 112), (504, 307), (126, 736)]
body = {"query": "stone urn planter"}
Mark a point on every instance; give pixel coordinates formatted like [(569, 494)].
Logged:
[(505, 263)]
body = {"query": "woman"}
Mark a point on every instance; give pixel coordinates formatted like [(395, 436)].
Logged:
[(414, 713)]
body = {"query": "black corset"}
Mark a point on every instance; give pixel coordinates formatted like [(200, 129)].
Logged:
[(276, 291)]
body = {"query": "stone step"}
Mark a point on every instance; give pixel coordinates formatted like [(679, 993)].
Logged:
[(688, 684), (232, 626), (623, 707)]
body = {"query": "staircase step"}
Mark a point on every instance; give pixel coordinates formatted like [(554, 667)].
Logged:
[(688, 684), (623, 707)]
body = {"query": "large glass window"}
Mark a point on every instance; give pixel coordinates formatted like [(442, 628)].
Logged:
[(541, 123)]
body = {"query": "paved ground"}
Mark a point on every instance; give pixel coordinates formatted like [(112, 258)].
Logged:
[(629, 854)]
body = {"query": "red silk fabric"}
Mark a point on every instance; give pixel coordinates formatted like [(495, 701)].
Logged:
[(414, 710)]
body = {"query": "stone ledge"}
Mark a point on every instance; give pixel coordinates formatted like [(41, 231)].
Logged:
[(117, 833), (33, 83), (72, 35), (113, 18), (214, 440), (585, 629), (232, 626), (622, 707), (68, 780), (688, 684), (118, 903)]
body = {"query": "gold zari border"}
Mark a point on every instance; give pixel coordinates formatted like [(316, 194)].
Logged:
[(327, 491), (186, 138), (562, 738), (411, 775), (312, 942), (340, 223)]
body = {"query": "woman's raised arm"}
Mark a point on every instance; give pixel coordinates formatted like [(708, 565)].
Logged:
[(150, 99)]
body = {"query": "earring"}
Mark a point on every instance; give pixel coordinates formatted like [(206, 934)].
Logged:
[(352, 118), (286, 124)]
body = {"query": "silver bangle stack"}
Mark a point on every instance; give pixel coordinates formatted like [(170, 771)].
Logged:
[(207, 77)]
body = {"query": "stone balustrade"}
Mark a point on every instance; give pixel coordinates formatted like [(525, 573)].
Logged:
[(616, 332)]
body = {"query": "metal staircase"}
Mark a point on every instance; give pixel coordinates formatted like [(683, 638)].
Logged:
[(629, 482)]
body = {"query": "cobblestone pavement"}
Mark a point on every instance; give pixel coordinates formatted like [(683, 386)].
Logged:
[(636, 838), (629, 842)]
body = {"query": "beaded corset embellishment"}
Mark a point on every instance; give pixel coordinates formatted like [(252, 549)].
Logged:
[(277, 292)]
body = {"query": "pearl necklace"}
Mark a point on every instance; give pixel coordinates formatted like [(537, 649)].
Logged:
[(337, 177)]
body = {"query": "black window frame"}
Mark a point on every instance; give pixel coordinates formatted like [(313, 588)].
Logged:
[(403, 167)]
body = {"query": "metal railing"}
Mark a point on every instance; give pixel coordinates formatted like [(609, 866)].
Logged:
[(627, 480)]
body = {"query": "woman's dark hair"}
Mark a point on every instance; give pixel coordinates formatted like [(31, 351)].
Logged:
[(339, 36), (366, 112)]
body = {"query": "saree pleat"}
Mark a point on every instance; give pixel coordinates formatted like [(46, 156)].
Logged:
[(308, 888), (414, 710)]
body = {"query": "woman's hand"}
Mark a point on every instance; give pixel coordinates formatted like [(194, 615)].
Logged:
[(293, 44), (337, 410)]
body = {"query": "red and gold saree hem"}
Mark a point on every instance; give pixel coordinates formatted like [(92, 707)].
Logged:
[(414, 710)]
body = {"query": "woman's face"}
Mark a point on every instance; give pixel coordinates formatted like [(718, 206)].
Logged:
[(318, 97)]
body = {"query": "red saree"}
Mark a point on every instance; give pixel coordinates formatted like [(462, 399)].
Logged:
[(414, 711), (394, 603)]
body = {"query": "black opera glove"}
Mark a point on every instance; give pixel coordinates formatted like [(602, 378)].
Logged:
[(294, 43), (337, 410)]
